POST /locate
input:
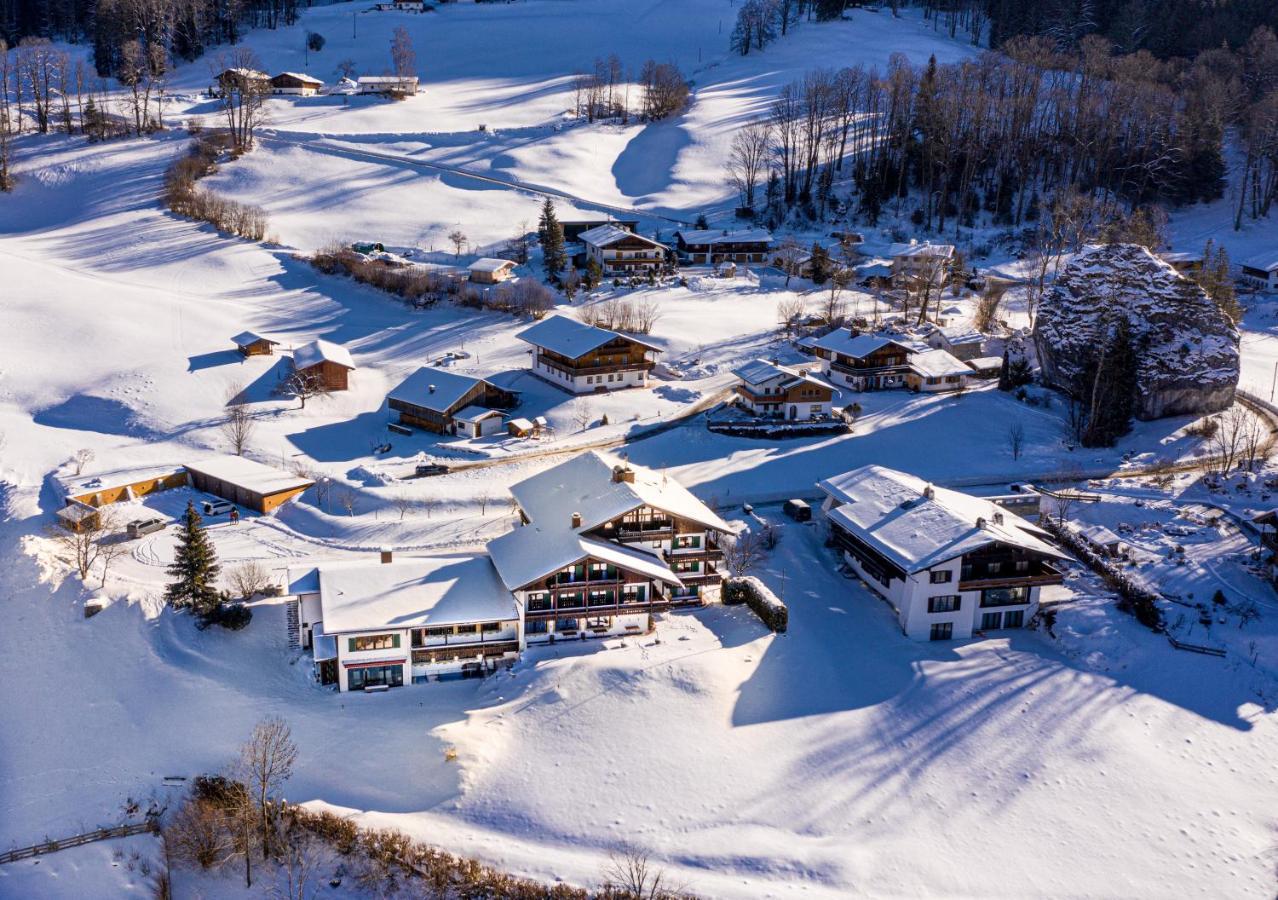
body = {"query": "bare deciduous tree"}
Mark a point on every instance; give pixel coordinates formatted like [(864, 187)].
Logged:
[(82, 458), (402, 503), (743, 553), (92, 541), (238, 427), (789, 311), (748, 160), (457, 238), (347, 499), (632, 875), (266, 761), (1016, 439), (248, 579), (242, 88), (304, 385)]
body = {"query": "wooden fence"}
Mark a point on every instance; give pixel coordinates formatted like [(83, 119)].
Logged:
[(89, 837), (1196, 648)]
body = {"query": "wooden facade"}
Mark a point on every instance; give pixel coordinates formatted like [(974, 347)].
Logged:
[(334, 376), (259, 347), (119, 492), (881, 368), (244, 496), (714, 252), (441, 421), (627, 255), (766, 401)]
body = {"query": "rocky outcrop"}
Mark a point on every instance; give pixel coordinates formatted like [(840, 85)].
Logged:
[(1186, 348)]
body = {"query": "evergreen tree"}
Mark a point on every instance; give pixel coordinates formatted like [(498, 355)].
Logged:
[(551, 235), (701, 224), (194, 569), (1111, 380), (821, 265), (594, 275), (1004, 377)]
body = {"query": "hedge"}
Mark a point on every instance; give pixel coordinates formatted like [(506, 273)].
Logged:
[(755, 594)]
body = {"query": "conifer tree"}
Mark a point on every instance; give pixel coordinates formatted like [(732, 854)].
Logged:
[(551, 235), (195, 568), (1004, 377)]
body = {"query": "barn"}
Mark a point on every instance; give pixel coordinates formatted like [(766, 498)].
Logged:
[(449, 403), (295, 83), (330, 363), (245, 482), (490, 271)]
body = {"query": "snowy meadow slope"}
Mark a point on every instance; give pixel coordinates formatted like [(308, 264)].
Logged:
[(839, 759)]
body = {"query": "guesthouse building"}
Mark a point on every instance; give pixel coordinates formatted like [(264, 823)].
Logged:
[(585, 359), (449, 403)]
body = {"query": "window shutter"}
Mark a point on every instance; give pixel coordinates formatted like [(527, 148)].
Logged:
[(395, 640), (350, 645), (958, 602)]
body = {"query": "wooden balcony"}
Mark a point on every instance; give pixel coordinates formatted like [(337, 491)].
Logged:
[(611, 609), (574, 371), (1014, 579), (427, 655), (869, 371)]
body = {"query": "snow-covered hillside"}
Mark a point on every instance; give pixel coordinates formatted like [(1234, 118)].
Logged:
[(839, 759)]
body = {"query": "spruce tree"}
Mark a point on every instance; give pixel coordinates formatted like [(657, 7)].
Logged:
[(1004, 376), (551, 235), (194, 569)]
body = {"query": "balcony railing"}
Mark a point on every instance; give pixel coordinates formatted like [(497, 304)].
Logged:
[(655, 601), (646, 365), (1044, 576), (870, 371), (424, 656)]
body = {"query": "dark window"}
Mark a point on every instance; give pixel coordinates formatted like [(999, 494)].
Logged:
[(535, 626), (491, 626), (635, 594), (944, 603), (1022, 565), (1014, 618), (366, 676), (991, 621), (1009, 596), (467, 629), (942, 631), (373, 642), (602, 598), (942, 577), (599, 622), (566, 625), (573, 600), (538, 602)]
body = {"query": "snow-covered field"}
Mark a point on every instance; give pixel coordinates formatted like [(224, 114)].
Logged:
[(838, 759)]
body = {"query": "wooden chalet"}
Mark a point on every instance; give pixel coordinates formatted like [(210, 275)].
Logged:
[(250, 343), (950, 564), (751, 245), (330, 363), (573, 230), (585, 359), (240, 80), (295, 83), (618, 251), (863, 362), (1261, 271), (774, 391), (490, 270), (604, 546), (448, 403)]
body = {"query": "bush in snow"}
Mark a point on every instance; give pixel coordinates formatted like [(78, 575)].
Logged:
[(755, 594)]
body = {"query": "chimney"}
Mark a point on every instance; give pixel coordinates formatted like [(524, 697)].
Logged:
[(623, 473), (576, 520), (998, 518), (980, 522), (929, 493), (388, 555), (432, 388)]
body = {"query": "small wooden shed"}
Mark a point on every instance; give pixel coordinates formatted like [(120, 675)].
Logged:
[(490, 271), (330, 362), (250, 343)]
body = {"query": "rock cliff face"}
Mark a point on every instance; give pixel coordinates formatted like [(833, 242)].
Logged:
[(1186, 348)]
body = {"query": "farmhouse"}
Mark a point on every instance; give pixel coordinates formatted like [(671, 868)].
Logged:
[(583, 358), (241, 80), (296, 84), (950, 564), (245, 482), (393, 85), (490, 271), (1261, 271), (936, 370), (863, 362), (913, 263), (375, 624), (250, 343), (960, 342), (448, 403), (751, 245), (621, 252), (605, 545), (774, 391), (327, 362)]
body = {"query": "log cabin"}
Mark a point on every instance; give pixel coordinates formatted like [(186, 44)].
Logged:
[(584, 359), (250, 343), (330, 363), (448, 403), (490, 271), (951, 565)]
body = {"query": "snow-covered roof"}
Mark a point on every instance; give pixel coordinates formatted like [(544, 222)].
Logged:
[(760, 371), (309, 79), (490, 264), (862, 345), (319, 351), (571, 338), (409, 592), (521, 424), (434, 389), (250, 475), (898, 251), (718, 236), (606, 235), (937, 364), (1266, 262), (531, 553), (1181, 256), (92, 483), (585, 485), (962, 334), (387, 79), (244, 338), (893, 513), (241, 72), (1099, 535), (985, 363), (472, 414)]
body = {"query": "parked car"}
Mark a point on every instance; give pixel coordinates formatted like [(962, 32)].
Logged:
[(216, 506), (799, 510), (428, 469), (140, 527)]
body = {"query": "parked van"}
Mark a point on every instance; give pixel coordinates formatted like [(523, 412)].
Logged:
[(216, 506), (140, 527), (799, 510)]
